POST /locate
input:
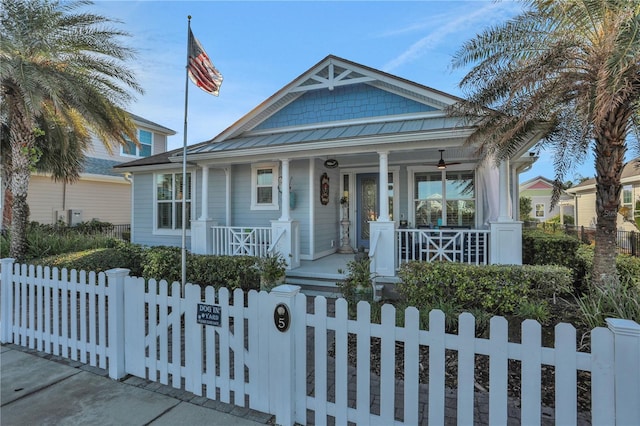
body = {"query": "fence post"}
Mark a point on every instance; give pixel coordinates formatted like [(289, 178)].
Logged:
[(115, 280), (6, 299), (626, 346), (281, 353)]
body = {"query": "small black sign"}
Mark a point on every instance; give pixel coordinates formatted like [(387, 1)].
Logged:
[(209, 314), (281, 317)]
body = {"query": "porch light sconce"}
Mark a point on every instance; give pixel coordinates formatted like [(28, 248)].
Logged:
[(331, 163)]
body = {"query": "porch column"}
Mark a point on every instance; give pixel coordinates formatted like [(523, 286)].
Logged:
[(384, 186), (382, 248), (503, 191), (227, 192), (204, 210), (506, 233), (285, 191), (201, 233)]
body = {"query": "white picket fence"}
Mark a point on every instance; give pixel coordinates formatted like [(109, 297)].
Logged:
[(147, 329)]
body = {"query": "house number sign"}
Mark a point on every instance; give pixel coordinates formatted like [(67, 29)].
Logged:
[(209, 314), (281, 317)]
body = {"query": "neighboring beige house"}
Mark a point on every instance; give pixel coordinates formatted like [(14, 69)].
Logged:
[(585, 198), (101, 193), (540, 189)]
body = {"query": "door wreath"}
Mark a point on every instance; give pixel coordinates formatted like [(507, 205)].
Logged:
[(324, 189)]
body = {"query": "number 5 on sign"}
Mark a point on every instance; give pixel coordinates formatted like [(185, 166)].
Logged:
[(281, 317)]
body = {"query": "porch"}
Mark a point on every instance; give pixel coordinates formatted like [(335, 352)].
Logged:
[(319, 276)]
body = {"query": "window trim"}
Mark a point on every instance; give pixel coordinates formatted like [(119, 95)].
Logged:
[(192, 200), (535, 210), (137, 154), (275, 170), (412, 171)]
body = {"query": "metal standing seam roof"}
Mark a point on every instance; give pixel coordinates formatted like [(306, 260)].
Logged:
[(329, 133)]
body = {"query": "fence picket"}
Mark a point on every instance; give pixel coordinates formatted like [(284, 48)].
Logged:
[(135, 334), (237, 346), (498, 369), (163, 349), (64, 302), (387, 364), (176, 317), (31, 295), (56, 311), (363, 348), (73, 309), (300, 337), (193, 340), (411, 365), (210, 379), (81, 289), (47, 297), (530, 399), (39, 311), (602, 376), (466, 367), (91, 295), (566, 374), (436, 367), (102, 320), (320, 359), (341, 362), (152, 333), (225, 390)]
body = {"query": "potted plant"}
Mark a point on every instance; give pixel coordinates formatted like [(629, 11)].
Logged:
[(272, 271)]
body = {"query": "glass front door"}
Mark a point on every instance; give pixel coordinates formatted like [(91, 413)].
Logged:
[(367, 206)]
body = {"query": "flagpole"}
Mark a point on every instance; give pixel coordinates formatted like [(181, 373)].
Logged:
[(183, 256)]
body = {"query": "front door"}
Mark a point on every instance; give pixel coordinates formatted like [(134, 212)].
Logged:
[(367, 206)]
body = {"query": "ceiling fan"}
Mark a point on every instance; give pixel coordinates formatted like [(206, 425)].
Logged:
[(442, 164)]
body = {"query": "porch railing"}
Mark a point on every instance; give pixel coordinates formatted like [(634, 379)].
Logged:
[(453, 245), (238, 241)]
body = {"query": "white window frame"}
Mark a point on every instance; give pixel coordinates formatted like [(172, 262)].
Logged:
[(275, 171), (535, 210), (192, 201), (412, 171), (137, 154)]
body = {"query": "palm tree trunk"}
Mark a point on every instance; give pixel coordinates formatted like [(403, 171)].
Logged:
[(610, 149), (22, 142)]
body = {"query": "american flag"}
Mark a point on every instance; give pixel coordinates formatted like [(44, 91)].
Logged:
[(201, 70)]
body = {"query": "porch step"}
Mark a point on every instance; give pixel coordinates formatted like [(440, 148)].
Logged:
[(315, 285)]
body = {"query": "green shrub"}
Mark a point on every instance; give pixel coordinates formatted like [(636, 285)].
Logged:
[(358, 283), (540, 248), (122, 255), (162, 263), (628, 267), (497, 289), (223, 271)]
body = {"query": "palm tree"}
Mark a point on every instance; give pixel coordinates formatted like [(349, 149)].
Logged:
[(60, 70), (572, 69)]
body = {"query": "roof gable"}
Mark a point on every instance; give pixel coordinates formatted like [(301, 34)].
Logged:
[(336, 78), (342, 103)]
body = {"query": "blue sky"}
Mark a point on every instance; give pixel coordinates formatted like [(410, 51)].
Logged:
[(260, 46)]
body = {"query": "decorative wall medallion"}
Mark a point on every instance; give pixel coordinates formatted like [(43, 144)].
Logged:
[(324, 189)]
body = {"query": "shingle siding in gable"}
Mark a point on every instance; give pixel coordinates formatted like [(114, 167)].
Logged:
[(342, 103)]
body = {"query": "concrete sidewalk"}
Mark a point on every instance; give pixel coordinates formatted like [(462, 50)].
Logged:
[(39, 389)]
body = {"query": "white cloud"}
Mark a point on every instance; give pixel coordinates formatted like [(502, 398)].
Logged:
[(453, 24)]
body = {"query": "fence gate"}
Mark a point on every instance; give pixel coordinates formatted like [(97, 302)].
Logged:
[(205, 342)]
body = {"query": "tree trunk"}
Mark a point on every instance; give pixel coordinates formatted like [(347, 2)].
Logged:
[(610, 149), (22, 142)]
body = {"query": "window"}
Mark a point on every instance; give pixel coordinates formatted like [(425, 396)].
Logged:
[(444, 198), (264, 187), (626, 209), (169, 199), (146, 141), (539, 210)]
